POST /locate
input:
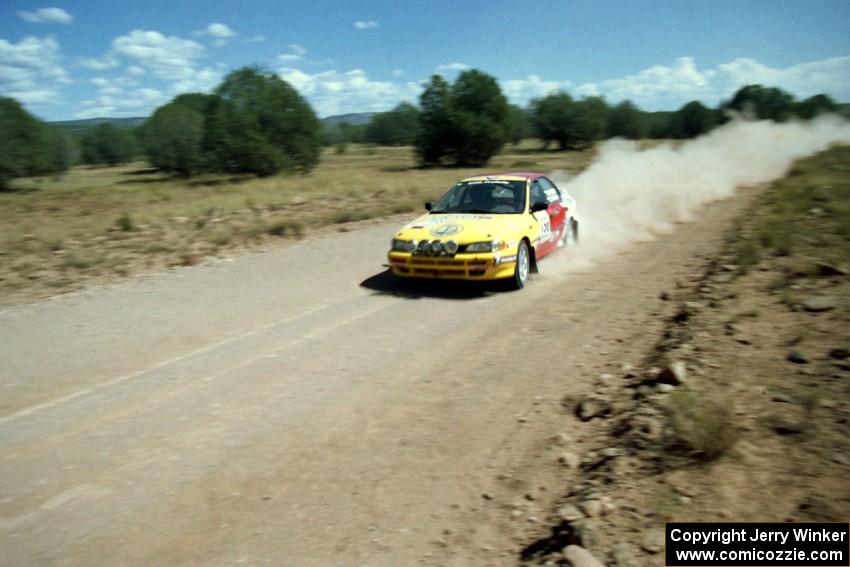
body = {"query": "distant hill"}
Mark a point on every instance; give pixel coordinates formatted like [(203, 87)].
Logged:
[(92, 122), (353, 119)]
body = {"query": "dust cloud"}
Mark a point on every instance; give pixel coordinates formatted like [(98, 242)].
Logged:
[(629, 195)]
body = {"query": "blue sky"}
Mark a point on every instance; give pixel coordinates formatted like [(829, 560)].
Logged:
[(90, 58)]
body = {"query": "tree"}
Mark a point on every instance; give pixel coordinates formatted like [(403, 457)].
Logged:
[(106, 144), (692, 120), (762, 103), (590, 121), (233, 141), (659, 124), (553, 118), (435, 121), (626, 121), (398, 127), (572, 124), (466, 122), (173, 137), (282, 132), (481, 114), (815, 105), (519, 124), (28, 146)]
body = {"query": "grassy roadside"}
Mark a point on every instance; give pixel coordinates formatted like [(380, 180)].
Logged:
[(741, 411), (804, 219), (97, 224)]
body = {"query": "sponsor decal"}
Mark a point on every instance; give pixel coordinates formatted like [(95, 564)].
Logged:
[(446, 230), (545, 227), (438, 219), (488, 181)]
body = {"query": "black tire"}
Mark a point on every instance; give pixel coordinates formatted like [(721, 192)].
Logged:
[(522, 267), (574, 224)]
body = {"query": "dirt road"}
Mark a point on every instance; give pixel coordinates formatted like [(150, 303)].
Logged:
[(295, 407)]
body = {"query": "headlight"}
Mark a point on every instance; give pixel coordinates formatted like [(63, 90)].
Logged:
[(492, 246), (480, 247), (403, 245)]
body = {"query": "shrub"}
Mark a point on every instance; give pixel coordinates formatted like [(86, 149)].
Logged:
[(698, 428)]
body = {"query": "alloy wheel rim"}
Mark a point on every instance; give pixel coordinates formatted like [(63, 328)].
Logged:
[(523, 263)]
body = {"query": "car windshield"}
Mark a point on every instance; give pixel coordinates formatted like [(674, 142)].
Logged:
[(490, 197)]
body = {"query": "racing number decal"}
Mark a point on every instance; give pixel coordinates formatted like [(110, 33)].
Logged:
[(545, 229), (545, 226)]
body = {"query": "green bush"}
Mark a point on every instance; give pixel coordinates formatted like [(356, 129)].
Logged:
[(698, 428), (28, 146), (254, 123)]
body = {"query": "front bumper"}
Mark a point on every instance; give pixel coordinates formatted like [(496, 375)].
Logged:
[(459, 267)]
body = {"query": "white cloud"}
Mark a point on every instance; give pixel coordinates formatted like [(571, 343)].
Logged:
[(30, 70), (669, 87), (113, 82), (333, 92), (297, 53), (167, 57), (220, 33), (173, 63), (219, 30), (120, 96), (452, 67), (259, 38), (831, 76), (98, 63), (47, 16), (366, 24), (200, 80), (118, 102), (521, 91), (681, 81), (398, 73)]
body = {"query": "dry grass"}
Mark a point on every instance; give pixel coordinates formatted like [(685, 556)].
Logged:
[(804, 215), (96, 223)]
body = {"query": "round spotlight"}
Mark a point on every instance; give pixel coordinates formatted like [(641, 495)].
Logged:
[(450, 246), (436, 246), (422, 246)]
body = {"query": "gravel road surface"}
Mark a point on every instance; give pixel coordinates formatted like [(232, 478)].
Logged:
[(296, 407)]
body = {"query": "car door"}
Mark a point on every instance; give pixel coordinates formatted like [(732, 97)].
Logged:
[(557, 212), (546, 240)]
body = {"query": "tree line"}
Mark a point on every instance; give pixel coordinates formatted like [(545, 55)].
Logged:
[(468, 121), (256, 123)]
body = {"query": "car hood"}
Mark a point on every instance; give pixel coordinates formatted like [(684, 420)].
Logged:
[(463, 228)]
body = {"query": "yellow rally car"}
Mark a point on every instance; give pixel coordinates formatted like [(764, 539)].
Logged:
[(486, 228)]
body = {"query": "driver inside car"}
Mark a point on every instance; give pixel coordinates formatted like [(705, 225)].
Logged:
[(481, 198)]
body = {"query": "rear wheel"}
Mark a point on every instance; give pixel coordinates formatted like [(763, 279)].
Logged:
[(570, 236), (523, 265)]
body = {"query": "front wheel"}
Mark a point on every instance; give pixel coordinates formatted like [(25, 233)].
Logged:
[(523, 264)]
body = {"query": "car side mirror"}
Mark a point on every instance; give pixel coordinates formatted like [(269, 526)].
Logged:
[(428, 206), (539, 206)]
